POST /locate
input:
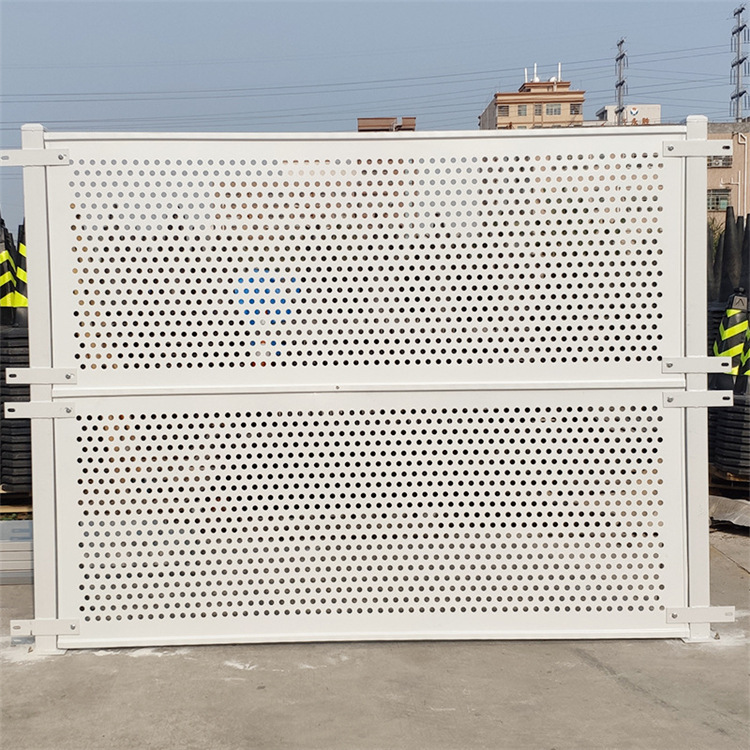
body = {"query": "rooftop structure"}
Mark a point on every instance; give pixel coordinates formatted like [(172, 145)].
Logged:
[(634, 114), (536, 104), (385, 124)]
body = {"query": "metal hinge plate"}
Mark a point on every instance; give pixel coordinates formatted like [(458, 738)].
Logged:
[(697, 148), (700, 614), (39, 376), (696, 364), (698, 399), (20, 628), (35, 157), (39, 410)]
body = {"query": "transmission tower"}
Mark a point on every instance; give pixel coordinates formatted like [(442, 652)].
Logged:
[(739, 64), (621, 62)]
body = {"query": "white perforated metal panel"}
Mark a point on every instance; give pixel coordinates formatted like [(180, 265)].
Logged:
[(433, 514), (368, 387), (382, 260)]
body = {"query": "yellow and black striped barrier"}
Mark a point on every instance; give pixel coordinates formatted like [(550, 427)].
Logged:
[(733, 331), (745, 356), (7, 270), (21, 298)]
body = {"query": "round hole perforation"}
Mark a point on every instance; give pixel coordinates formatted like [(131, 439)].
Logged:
[(295, 512), (372, 262)]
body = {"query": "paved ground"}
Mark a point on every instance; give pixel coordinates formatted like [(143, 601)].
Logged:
[(655, 695)]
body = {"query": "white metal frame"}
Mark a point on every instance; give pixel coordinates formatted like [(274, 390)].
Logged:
[(696, 420), (52, 441), (40, 355)]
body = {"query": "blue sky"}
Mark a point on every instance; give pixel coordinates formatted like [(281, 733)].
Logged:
[(317, 66)]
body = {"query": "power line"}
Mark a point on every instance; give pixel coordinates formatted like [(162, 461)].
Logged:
[(648, 92), (426, 104), (472, 44), (317, 88)]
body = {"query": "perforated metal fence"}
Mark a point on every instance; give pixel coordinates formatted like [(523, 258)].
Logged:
[(382, 386), (409, 260)]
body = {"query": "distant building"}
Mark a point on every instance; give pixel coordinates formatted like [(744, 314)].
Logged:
[(635, 114), (385, 124), (536, 104), (729, 176)]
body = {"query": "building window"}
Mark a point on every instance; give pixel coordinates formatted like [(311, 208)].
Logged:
[(575, 109), (522, 110), (553, 109), (718, 200), (503, 110), (720, 161), (538, 110)]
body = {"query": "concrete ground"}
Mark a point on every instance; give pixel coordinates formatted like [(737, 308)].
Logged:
[(655, 695)]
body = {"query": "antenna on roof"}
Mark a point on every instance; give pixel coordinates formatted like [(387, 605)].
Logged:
[(536, 77)]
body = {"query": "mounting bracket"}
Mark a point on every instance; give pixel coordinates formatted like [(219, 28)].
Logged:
[(20, 628), (35, 157), (39, 376), (700, 614), (697, 148), (696, 364), (39, 409), (698, 399)]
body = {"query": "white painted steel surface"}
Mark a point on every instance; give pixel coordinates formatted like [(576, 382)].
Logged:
[(37, 204), (696, 420), (385, 515), (347, 386), (366, 260)]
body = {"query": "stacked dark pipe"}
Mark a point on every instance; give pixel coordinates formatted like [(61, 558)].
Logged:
[(15, 434), (728, 286)]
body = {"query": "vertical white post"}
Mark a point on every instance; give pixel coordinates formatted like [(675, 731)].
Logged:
[(696, 419), (40, 355)]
